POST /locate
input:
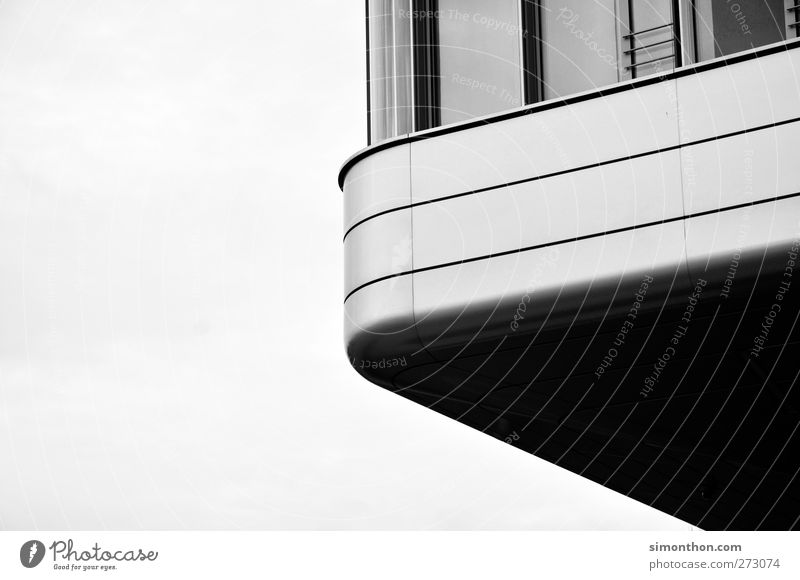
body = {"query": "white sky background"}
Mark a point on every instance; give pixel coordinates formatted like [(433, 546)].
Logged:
[(170, 289)]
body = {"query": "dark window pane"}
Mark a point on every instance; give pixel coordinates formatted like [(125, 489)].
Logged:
[(480, 56), (427, 80), (579, 46), (725, 28)]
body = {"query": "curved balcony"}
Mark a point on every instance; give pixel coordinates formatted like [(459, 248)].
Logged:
[(592, 272)]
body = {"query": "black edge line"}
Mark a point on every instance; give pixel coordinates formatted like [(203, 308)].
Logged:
[(554, 104), (575, 239), (574, 170)]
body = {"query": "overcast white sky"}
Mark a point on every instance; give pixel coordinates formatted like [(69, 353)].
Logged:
[(170, 289)]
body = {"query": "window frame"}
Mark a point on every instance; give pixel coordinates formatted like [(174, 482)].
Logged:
[(427, 80), (425, 52), (531, 42)]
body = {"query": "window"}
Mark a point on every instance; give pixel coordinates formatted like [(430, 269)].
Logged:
[(724, 28), (437, 62), (480, 58), (652, 43), (389, 81), (579, 46), (427, 79)]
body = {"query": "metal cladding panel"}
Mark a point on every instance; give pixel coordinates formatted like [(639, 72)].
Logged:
[(592, 131), (606, 285), (552, 210), (381, 310), (377, 183), (750, 114), (585, 232), (745, 168), (744, 95), (731, 249), (379, 331), (552, 286), (378, 248)]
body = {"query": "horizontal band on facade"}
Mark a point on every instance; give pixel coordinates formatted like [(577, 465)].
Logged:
[(566, 101), (576, 169), (575, 239)]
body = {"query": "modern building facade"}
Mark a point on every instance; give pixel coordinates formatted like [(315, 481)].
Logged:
[(576, 228)]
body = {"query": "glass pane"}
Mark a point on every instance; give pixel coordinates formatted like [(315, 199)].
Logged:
[(480, 66), (652, 37), (389, 68), (579, 46), (725, 28)]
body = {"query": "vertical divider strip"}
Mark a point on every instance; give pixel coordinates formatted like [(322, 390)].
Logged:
[(369, 92), (531, 39), (427, 78)]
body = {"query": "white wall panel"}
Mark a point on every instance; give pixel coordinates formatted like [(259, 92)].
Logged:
[(605, 198), (740, 96), (745, 168), (377, 248), (378, 182), (749, 241), (742, 169), (544, 142)]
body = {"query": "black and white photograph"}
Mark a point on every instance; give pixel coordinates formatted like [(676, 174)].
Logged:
[(399, 288)]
